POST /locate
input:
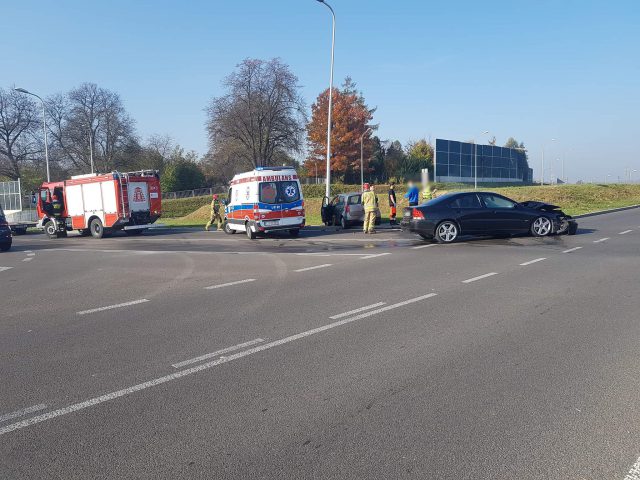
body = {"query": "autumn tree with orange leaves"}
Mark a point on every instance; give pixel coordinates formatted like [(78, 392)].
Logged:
[(350, 118)]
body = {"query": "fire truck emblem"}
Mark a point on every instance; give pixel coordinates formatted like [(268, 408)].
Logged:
[(138, 195)]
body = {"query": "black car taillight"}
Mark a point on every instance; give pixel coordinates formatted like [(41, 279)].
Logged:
[(418, 214)]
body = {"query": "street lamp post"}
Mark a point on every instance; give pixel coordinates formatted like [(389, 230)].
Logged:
[(475, 161), (542, 173), (44, 127), (333, 43), (362, 157), (91, 147)]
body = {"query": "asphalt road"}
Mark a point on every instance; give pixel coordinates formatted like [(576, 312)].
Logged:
[(187, 354)]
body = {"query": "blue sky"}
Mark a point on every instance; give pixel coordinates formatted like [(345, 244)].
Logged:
[(535, 70)]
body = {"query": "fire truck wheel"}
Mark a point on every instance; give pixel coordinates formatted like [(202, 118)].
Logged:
[(50, 229), (96, 228)]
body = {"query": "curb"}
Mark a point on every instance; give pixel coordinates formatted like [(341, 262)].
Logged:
[(603, 212)]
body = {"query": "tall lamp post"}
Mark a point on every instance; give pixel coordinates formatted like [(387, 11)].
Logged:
[(475, 162), (542, 173), (333, 43), (362, 157), (44, 127), (90, 127)]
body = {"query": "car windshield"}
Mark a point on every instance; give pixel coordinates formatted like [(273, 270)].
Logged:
[(279, 192)]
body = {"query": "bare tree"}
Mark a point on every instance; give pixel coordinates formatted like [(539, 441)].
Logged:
[(20, 129), (261, 117), (90, 117)]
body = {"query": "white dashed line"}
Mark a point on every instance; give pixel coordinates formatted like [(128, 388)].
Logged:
[(571, 250), (325, 265), (375, 255), (601, 240), (198, 368), (28, 251), (28, 259), (425, 246), (625, 232), (533, 261), (110, 307), (357, 310), (230, 284), (480, 277), (634, 473), (2, 269), (22, 413), (217, 353), (30, 254)]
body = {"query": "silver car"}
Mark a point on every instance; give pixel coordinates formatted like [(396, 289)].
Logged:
[(346, 209)]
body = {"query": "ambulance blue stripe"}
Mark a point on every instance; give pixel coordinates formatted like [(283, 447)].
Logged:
[(265, 206)]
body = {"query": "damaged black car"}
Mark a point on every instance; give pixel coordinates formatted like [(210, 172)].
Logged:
[(453, 215)]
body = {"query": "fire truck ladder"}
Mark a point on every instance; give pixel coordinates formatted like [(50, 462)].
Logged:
[(123, 179)]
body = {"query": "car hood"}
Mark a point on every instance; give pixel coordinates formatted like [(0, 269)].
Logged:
[(545, 207)]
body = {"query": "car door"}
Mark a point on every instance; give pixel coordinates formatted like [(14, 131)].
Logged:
[(469, 212), (356, 210), (503, 213)]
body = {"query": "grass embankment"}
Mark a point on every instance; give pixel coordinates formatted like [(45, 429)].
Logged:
[(574, 200)]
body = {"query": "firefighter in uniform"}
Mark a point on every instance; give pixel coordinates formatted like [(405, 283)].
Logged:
[(56, 205), (370, 202), (215, 214)]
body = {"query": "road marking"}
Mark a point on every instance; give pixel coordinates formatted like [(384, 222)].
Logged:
[(625, 232), (634, 473), (601, 240), (375, 255), (230, 284), (28, 259), (325, 265), (2, 269), (571, 250), (28, 251), (357, 310), (533, 261), (425, 246), (198, 368), (30, 254), (480, 277), (110, 307), (22, 413), (322, 254), (217, 353)]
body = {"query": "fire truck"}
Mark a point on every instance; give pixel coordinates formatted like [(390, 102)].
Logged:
[(98, 204)]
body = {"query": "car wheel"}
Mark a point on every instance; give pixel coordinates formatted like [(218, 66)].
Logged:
[(446, 232), (294, 232), (541, 227), (96, 228), (228, 230), (250, 233), (50, 229), (343, 223)]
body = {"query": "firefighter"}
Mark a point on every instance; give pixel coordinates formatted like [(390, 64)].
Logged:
[(393, 203), (215, 214), (370, 202), (428, 192), (56, 206)]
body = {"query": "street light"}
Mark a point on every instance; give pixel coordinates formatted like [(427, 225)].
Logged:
[(475, 178), (362, 156), (542, 173), (90, 127), (44, 127), (333, 43)]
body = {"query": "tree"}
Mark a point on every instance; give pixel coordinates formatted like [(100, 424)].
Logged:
[(513, 143), (261, 117), (182, 172), (350, 120), (394, 158), (90, 115), (20, 128)]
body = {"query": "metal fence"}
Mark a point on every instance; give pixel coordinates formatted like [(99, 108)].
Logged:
[(198, 192), (10, 197)]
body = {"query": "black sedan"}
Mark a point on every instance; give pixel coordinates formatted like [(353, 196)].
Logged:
[(448, 217)]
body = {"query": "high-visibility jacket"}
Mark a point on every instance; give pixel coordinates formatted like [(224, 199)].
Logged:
[(370, 201), (215, 207), (427, 194)]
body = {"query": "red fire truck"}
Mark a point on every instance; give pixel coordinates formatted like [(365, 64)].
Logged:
[(98, 204)]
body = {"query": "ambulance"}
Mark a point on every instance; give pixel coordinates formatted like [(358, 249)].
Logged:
[(265, 200)]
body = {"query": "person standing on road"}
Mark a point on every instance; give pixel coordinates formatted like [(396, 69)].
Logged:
[(370, 202), (215, 214), (392, 204), (413, 194)]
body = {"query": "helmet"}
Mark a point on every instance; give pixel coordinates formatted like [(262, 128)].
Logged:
[(54, 197), (215, 196), (365, 186)]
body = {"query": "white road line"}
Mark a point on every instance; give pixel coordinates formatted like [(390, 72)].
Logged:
[(375, 255), (601, 240), (198, 368), (625, 232), (480, 277), (325, 265), (230, 284), (28, 251), (28, 259), (533, 261), (634, 473), (217, 353), (322, 254), (110, 307), (571, 250), (22, 413), (30, 254), (425, 246), (357, 310), (2, 269)]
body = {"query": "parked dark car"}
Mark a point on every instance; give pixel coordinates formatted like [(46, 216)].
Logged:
[(5, 232), (448, 217)]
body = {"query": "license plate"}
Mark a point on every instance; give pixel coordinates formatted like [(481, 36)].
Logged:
[(271, 222)]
